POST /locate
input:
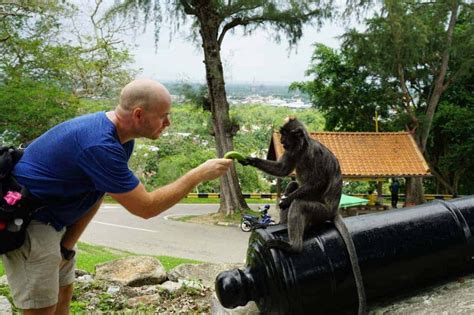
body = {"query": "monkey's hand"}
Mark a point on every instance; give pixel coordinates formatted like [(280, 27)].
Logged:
[(284, 203), (248, 161)]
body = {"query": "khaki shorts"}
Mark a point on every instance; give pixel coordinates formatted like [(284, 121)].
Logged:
[(33, 270)]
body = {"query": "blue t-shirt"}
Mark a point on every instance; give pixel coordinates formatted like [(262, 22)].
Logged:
[(72, 165)]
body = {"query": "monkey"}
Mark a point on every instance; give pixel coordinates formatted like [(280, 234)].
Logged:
[(314, 198)]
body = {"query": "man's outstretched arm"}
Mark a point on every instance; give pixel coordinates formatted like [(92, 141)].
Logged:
[(149, 204)]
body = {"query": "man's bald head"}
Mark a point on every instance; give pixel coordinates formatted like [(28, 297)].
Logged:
[(144, 93)]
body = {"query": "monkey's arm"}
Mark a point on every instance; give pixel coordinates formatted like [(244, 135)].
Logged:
[(280, 168), (299, 193)]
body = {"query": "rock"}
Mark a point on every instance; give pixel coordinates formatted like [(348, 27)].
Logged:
[(85, 278), (170, 286), (113, 290), (218, 309), (132, 271), (80, 273), (191, 283), (3, 280), (144, 299), (5, 306), (206, 272)]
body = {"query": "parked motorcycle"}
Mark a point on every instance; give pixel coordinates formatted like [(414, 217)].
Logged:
[(251, 222)]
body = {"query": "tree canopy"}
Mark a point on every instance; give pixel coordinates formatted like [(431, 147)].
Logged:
[(412, 56), (47, 63)]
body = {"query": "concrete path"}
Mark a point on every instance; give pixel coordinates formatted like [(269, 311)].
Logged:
[(115, 227)]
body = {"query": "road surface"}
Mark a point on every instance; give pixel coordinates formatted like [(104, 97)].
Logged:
[(115, 227)]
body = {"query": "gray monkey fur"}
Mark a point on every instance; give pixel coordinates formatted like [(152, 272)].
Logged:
[(315, 198)]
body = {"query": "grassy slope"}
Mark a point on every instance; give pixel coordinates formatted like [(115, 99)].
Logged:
[(91, 255)]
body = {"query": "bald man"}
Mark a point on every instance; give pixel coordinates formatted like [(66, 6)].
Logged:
[(70, 168)]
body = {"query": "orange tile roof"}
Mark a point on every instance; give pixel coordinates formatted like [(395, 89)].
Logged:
[(369, 154)]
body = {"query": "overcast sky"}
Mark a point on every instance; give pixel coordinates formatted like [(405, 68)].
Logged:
[(246, 59), (254, 58)]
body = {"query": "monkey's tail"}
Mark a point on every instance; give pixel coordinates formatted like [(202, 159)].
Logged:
[(346, 236)]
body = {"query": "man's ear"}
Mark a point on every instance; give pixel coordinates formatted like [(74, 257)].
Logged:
[(137, 113)]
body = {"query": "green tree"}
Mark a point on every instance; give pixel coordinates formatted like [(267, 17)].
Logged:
[(28, 108), (347, 93), (411, 52), (211, 21), (44, 68), (451, 144)]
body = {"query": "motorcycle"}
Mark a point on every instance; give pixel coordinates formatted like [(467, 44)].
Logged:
[(251, 222)]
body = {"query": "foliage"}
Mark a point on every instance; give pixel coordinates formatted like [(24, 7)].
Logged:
[(249, 201), (348, 94), (453, 145), (187, 143), (410, 43), (29, 108), (46, 64), (39, 41), (403, 64), (284, 19)]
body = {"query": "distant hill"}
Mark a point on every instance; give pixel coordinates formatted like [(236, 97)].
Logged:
[(242, 90)]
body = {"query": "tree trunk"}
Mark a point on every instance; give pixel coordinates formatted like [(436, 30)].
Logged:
[(414, 191), (440, 85), (379, 189), (231, 194)]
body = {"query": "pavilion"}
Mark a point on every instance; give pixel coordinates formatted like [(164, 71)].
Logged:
[(367, 156)]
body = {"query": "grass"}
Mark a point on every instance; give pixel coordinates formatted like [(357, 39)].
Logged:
[(217, 200), (214, 218), (109, 199), (91, 255)]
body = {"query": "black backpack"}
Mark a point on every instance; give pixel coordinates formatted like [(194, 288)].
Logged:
[(17, 205)]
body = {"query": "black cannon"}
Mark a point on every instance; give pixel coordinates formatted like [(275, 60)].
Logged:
[(398, 250)]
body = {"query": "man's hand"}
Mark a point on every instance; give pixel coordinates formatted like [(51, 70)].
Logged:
[(212, 169)]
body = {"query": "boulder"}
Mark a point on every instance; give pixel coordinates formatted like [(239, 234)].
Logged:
[(206, 272), (85, 278), (5, 306), (217, 309), (132, 271), (170, 286)]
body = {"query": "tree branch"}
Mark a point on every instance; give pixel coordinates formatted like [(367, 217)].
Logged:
[(455, 75), (229, 26), (188, 8), (407, 98), (440, 79), (441, 179)]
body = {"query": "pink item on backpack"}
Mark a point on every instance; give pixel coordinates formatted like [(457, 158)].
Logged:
[(12, 197)]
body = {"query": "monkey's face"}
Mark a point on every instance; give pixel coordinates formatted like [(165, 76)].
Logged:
[(292, 137)]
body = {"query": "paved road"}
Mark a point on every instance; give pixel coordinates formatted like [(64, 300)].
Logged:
[(115, 227)]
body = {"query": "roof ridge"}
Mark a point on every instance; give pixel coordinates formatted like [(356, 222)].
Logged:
[(358, 132)]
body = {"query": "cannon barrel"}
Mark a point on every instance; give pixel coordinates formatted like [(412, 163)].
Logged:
[(398, 250)]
